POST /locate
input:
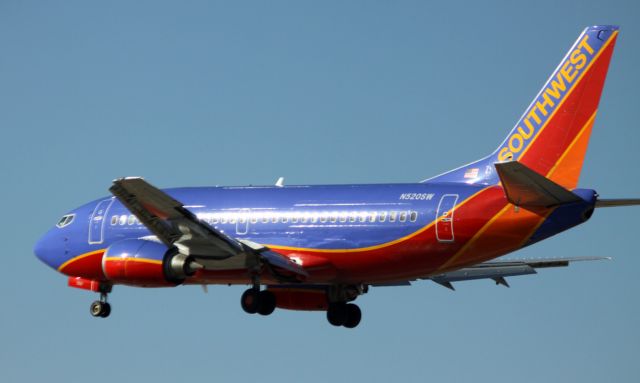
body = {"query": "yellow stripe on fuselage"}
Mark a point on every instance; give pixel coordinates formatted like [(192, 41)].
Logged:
[(375, 247)]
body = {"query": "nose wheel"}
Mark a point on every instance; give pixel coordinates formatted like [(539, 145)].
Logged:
[(101, 308)]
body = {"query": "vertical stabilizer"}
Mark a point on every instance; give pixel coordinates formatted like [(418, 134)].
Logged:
[(552, 135)]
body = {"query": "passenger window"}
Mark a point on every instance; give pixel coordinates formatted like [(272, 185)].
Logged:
[(372, 216), (343, 217), (363, 217), (403, 216), (131, 220), (214, 220), (265, 219), (123, 220), (294, 219), (314, 218), (323, 218), (274, 219), (413, 216), (284, 219), (383, 216), (392, 216), (352, 217), (333, 218), (232, 220), (304, 218), (254, 219), (223, 219), (114, 220), (242, 219)]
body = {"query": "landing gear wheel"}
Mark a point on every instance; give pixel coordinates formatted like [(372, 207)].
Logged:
[(250, 301), (267, 302), (337, 313), (106, 310), (354, 315), (100, 309)]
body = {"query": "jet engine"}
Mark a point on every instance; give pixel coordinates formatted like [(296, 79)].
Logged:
[(146, 263)]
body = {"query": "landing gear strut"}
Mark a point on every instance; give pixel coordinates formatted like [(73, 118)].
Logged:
[(101, 308), (255, 301)]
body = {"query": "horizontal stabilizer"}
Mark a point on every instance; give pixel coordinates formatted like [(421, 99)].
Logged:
[(499, 270), (617, 202), (524, 187)]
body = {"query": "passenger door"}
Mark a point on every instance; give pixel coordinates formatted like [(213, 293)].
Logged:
[(98, 217), (444, 223)]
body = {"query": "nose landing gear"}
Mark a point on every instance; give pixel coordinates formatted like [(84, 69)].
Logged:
[(101, 308)]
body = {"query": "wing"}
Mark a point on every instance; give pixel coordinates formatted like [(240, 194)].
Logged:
[(178, 227), (499, 270)]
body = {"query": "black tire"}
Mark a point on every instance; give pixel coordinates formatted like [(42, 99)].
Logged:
[(267, 302), (250, 301), (337, 314), (106, 310), (96, 308), (354, 315)]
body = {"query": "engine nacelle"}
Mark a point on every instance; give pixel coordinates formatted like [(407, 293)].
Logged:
[(142, 262), (303, 299)]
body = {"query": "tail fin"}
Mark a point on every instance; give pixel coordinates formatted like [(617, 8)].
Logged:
[(552, 135)]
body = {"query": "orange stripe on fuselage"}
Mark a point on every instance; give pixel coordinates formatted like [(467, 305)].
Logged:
[(422, 251)]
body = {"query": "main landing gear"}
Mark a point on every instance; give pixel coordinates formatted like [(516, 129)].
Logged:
[(255, 301), (340, 312), (344, 314)]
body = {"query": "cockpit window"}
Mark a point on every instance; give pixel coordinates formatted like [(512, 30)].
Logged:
[(65, 220)]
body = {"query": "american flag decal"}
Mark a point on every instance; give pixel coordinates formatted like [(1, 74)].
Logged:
[(471, 173)]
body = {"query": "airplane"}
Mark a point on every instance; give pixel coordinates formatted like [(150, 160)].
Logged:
[(320, 247)]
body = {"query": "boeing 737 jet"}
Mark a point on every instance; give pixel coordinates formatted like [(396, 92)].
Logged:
[(320, 247)]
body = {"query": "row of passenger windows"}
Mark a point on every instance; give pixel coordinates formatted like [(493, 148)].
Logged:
[(330, 217)]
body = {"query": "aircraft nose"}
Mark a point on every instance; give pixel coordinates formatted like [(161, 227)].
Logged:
[(50, 248)]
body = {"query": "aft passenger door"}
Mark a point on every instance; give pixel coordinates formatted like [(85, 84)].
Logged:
[(96, 225), (444, 223)]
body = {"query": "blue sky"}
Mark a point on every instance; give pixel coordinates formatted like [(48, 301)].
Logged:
[(236, 93)]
